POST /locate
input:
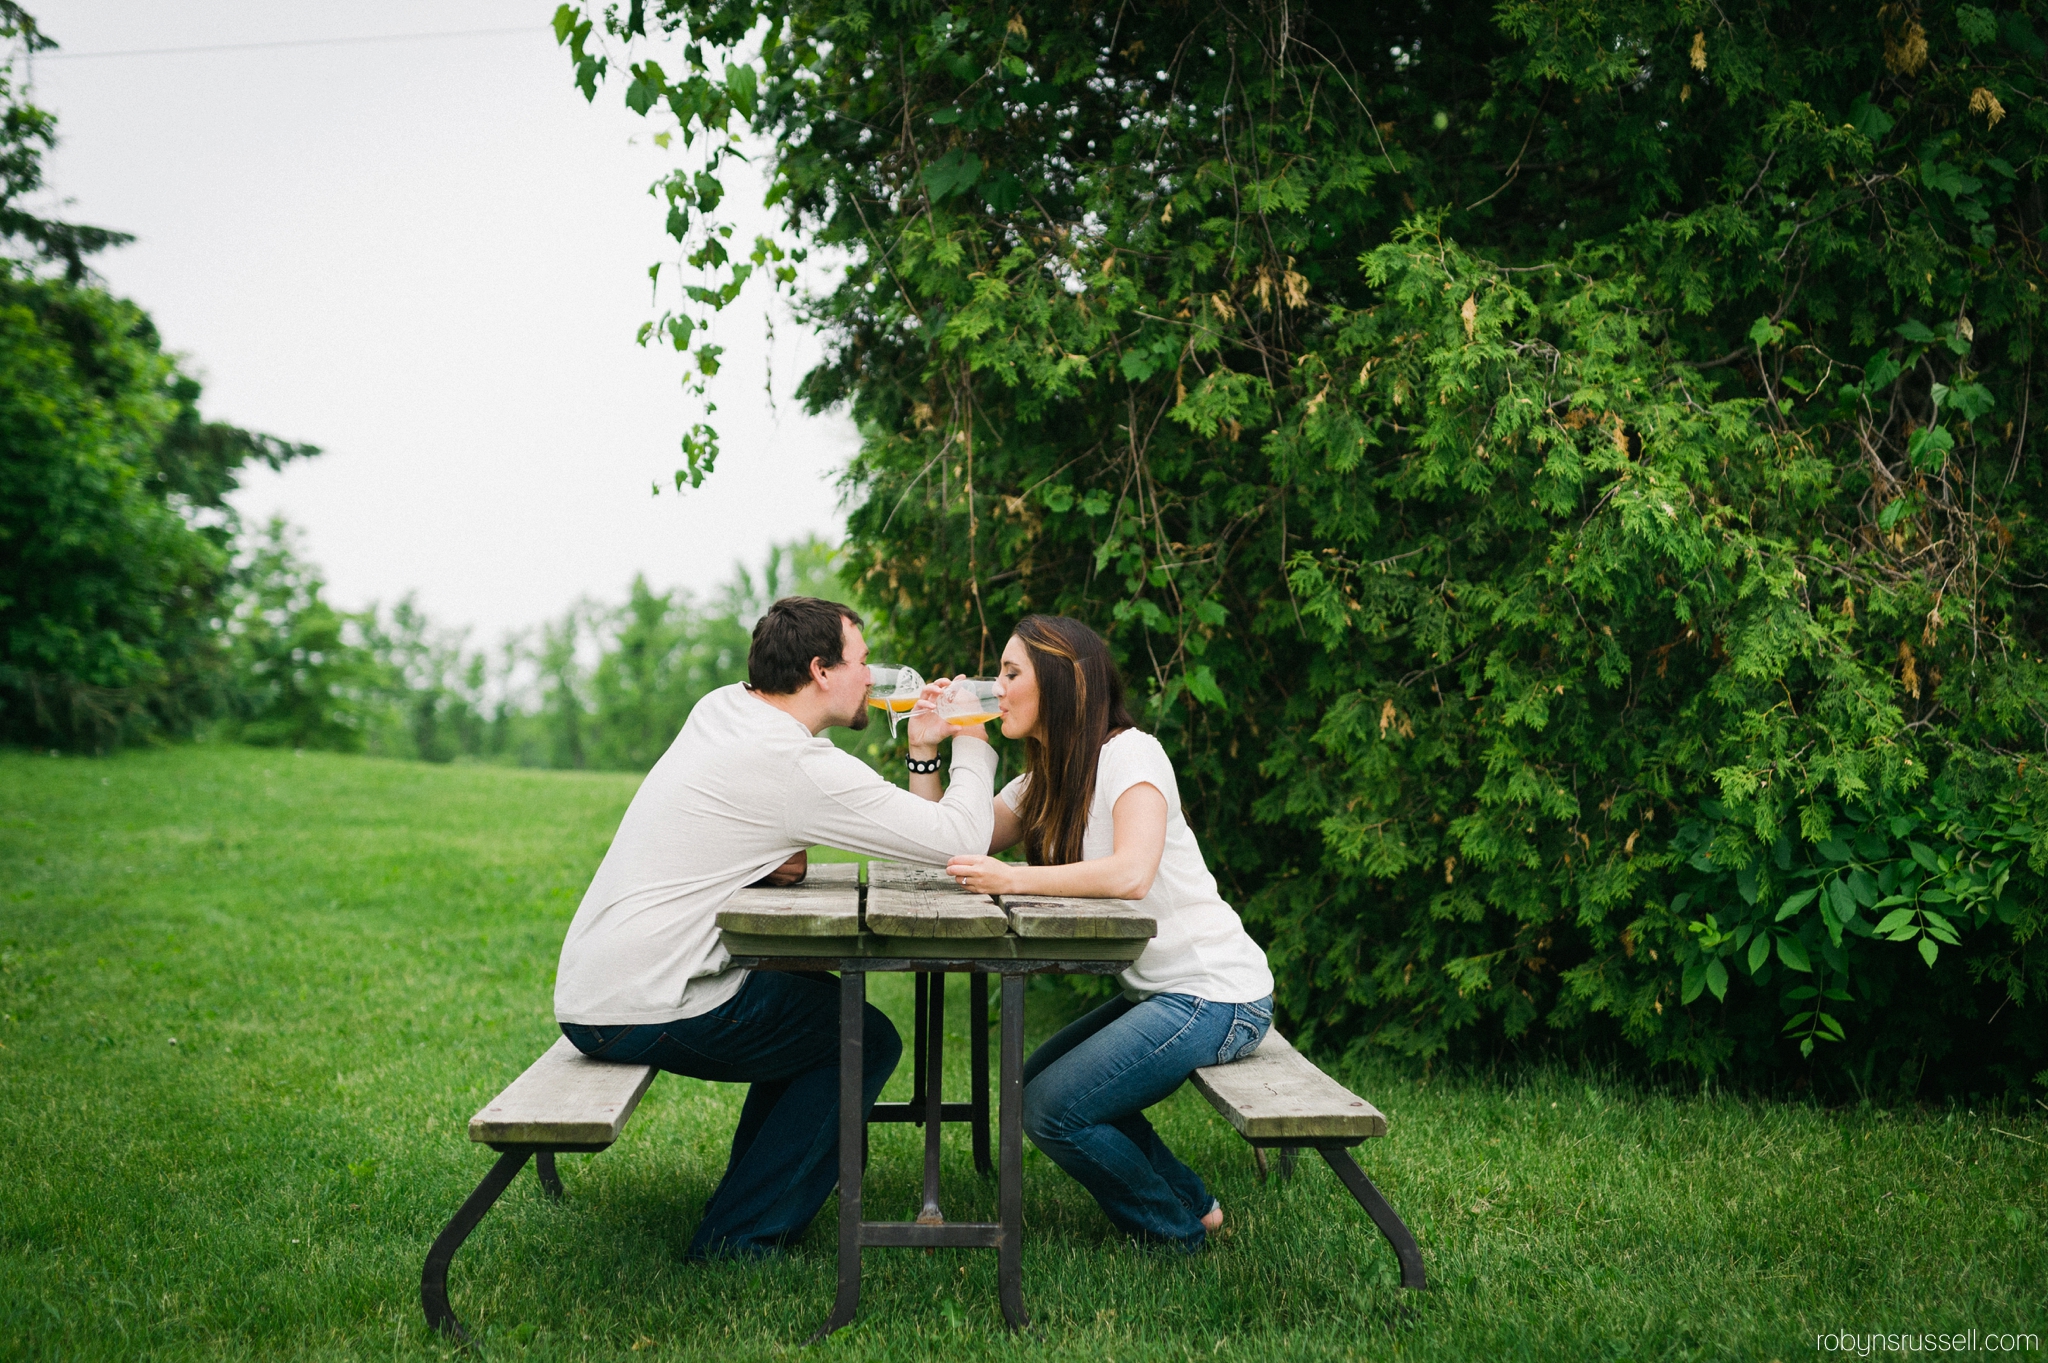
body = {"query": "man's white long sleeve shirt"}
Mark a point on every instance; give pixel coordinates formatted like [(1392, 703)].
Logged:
[(743, 788)]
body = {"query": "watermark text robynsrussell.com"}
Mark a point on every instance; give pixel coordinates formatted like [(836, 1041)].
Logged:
[(1964, 1342)]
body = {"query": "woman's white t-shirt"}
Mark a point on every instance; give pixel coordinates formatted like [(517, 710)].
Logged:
[(1202, 947)]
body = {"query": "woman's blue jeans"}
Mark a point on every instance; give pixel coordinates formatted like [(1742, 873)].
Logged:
[(780, 1034), (1086, 1090)]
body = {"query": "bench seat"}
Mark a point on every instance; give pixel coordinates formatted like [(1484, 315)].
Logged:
[(1276, 1093), (1277, 1098), (564, 1100)]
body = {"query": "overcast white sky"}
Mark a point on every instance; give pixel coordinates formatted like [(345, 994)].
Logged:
[(429, 258)]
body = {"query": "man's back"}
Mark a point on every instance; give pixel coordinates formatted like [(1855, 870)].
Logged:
[(743, 787)]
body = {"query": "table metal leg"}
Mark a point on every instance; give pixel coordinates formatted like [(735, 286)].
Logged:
[(977, 1006), (920, 1012), (852, 1129), (935, 1087), (1010, 1179)]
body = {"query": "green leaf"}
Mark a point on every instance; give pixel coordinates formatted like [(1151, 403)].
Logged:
[(1759, 952), (1928, 951), (1924, 855), (1792, 952), (1868, 119), (1896, 919), (565, 20), (1057, 497), (1202, 686), (1843, 902), (1863, 886), (1948, 177), (1929, 446), (951, 173), (1764, 331), (1002, 192), (742, 87), (1976, 25), (1834, 849), (1745, 883), (1794, 903), (1695, 981), (1971, 399), (1917, 332), (1717, 979), (1893, 509)]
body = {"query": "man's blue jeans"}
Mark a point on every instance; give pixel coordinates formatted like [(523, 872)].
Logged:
[(780, 1033), (1085, 1092)]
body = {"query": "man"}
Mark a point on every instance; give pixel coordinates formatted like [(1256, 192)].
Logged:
[(746, 786)]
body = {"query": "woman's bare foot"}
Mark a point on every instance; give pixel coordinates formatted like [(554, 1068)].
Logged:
[(1213, 1222)]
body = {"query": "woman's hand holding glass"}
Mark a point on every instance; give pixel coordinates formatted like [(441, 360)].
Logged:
[(933, 719)]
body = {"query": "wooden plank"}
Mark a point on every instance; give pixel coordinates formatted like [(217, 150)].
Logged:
[(564, 1098), (905, 875), (1044, 916), (1277, 1092), (923, 901), (749, 948), (826, 902)]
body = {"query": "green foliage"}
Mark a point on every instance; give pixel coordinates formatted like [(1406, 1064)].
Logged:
[(1557, 471), (300, 679), (601, 687), (115, 541), (115, 536), (26, 133)]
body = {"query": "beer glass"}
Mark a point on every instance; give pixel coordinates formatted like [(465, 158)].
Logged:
[(893, 691), (969, 702)]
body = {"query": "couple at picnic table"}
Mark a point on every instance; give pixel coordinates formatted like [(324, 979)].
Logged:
[(751, 783)]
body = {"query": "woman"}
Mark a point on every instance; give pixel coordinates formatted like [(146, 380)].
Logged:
[(1098, 811)]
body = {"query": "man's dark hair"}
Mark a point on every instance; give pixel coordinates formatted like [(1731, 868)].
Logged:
[(795, 630)]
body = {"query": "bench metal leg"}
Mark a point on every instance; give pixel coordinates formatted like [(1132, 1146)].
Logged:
[(977, 1006), (550, 1181), (434, 1277), (1405, 1248), (1287, 1158), (853, 994)]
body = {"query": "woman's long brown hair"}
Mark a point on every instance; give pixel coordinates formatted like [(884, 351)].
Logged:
[(1080, 704)]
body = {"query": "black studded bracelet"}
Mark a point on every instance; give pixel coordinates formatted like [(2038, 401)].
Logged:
[(924, 768)]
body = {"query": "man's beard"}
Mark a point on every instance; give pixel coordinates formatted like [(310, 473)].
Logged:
[(860, 719)]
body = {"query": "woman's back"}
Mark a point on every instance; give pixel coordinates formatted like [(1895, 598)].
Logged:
[(1201, 947)]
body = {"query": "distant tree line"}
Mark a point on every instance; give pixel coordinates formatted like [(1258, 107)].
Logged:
[(604, 687)]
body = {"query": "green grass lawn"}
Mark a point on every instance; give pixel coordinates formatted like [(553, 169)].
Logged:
[(249, 1000)]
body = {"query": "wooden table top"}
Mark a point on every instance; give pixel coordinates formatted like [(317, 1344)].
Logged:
[(909, 911)]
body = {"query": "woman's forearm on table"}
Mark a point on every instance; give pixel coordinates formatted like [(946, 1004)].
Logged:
[(1108, 877)]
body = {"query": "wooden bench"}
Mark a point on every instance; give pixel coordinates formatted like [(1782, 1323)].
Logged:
[(565, 1101), (1278, 1100)]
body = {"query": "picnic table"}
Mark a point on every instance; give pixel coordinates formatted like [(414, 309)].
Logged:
[(914, 918)]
